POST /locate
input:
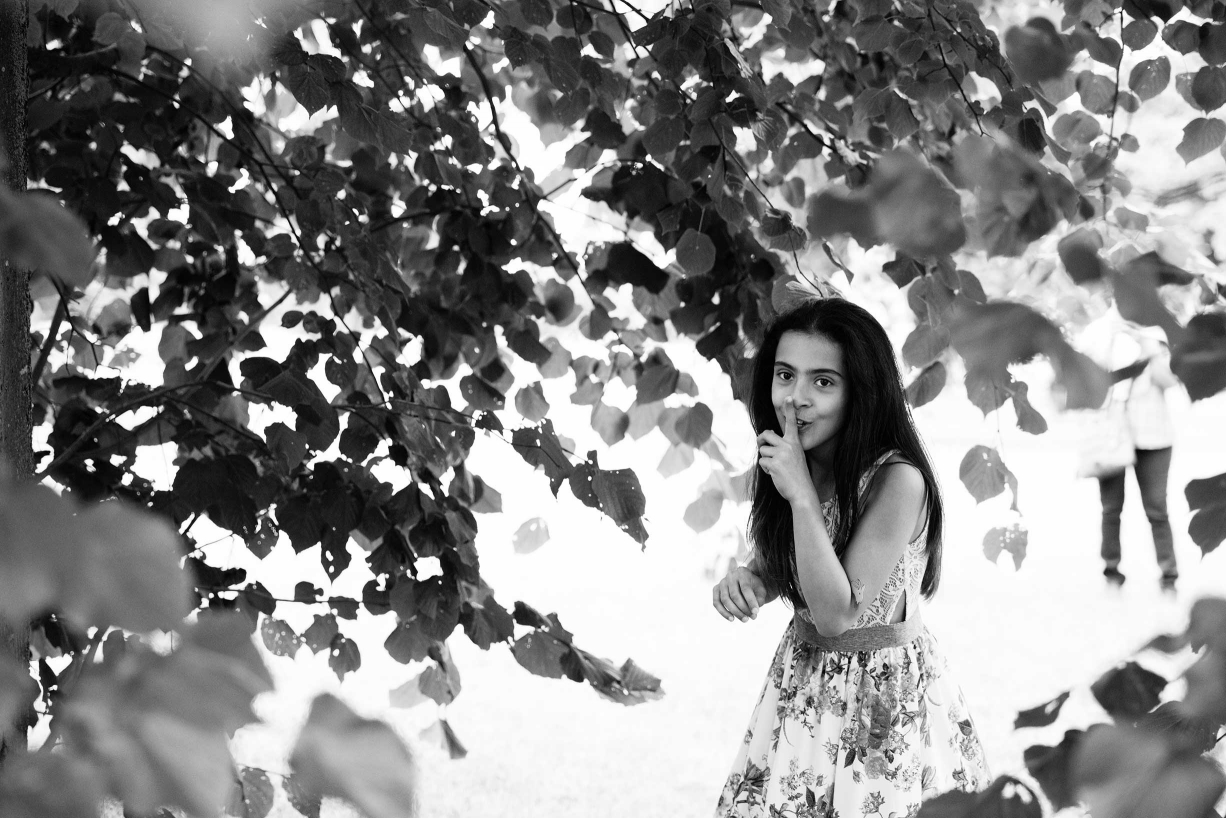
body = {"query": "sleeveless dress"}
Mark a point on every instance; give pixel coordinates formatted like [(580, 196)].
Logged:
[(856, 733)]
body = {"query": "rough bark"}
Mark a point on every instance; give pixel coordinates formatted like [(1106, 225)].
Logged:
[(16, 408)]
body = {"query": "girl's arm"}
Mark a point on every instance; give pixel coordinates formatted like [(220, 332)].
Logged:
[(835, 592)]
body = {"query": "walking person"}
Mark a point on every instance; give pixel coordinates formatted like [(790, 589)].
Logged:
[(1139, 359), (858, 715)]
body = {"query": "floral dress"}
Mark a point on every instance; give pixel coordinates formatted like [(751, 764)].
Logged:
[(849, 734)]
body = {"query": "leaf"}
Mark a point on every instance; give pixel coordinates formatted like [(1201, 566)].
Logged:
[(531, 535), (1013, 539), (694, 425), (279, 637), (110, 27), (1209, 88), (38, 233), (609, 422), (253, 797), (663, 136), (320, 634), (306, 803), (985, 475), (1037, 51), (1043, 714), (1128, 691), (308, 86), (1139, 33), (339, 753), (1200, 136), (656, 383), (924, 345), (530, 402), (441, 682), (696, 252), (540, 654)]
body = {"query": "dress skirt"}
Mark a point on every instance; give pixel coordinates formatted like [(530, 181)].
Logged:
[(851, 734)]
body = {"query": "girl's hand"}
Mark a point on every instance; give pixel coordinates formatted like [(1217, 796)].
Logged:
[(739, 595), (783, 458)]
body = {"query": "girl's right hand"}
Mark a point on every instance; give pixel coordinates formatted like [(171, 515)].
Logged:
[(739, 595)]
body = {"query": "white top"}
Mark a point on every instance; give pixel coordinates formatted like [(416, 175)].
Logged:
[(1114, 343)]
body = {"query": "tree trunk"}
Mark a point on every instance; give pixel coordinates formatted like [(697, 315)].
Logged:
[(16, 407)]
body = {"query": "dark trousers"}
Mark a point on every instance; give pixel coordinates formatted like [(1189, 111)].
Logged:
[(1151, 469)]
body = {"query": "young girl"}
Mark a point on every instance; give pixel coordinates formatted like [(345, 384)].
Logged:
[(858, 715)]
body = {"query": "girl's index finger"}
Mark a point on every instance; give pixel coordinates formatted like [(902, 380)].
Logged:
[(790, 431)]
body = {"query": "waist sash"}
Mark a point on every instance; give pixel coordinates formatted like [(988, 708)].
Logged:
[(874, 637)]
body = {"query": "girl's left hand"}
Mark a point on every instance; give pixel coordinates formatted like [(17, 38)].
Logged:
[(783, 458)]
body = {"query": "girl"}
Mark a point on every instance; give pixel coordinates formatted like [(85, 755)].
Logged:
[(858, 715)]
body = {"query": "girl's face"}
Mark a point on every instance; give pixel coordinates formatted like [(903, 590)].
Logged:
[(809, 370)]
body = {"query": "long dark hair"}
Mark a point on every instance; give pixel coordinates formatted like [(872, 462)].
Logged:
[(877, 420)]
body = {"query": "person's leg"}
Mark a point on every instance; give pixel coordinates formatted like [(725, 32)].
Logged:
[(1111, 492), (1152, 468)]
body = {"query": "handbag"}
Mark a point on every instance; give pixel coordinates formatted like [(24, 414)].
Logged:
[(1106, 446)]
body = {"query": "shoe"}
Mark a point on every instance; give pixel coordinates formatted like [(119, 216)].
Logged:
[(1114, 578), (1167, 584)]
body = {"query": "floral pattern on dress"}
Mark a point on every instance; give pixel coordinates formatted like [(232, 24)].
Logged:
[(856, 734)]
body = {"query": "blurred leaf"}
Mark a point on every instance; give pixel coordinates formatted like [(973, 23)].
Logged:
[(1079, 253), (103, 564), (927, 384), (531, 535), (1192, 733), (678, 458), (1207, 624), (704, 512), (18, 690), (1205, 700), (441, 734), (1126, 772), (1199, 360), (38, 233), (50, 785), (1041, 715), (1128, 691), (1037, 51), (1052, 768), (339, 753), (1005, 797), (172, 714)]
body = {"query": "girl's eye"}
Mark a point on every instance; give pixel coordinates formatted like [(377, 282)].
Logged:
[(783, 376), (825, 382)]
